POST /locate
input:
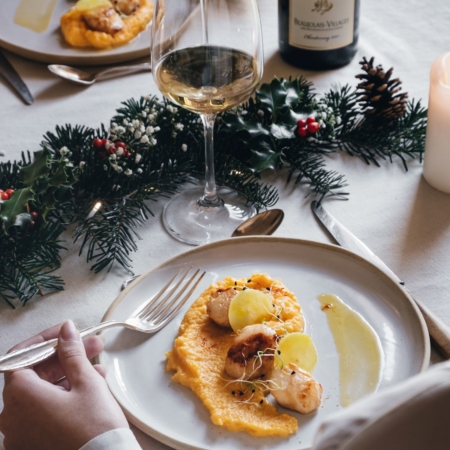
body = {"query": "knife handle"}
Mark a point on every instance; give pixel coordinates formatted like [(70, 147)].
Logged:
[(438, 330)]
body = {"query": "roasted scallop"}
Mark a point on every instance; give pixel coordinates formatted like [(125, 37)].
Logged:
[(251, 354), (103, 18), (219, 305), (295, 389)]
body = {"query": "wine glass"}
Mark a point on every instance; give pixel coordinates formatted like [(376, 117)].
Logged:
[(207, 57)]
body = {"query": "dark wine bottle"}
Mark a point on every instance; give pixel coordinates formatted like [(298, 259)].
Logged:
[(318, 34)]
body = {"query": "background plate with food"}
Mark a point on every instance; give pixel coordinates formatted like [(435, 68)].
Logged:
[(31, 28)]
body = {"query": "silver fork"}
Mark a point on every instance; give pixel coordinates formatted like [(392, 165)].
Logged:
[(150, 317)]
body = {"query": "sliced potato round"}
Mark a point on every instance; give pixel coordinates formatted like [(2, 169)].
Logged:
[(296, 348), (83, 5), (249, 307)]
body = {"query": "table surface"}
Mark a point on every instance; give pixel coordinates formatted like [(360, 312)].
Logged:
[(397, 214)]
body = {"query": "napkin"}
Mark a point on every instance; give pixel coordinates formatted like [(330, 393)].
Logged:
[(413, 415)]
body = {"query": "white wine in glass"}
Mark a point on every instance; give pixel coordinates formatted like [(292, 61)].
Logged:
[(206, 57)]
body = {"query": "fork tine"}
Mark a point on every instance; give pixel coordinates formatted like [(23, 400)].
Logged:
[(162, 308), (146, 306), (163, 322), (153, 308)]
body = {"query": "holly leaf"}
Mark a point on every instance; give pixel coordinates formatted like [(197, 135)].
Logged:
[(15, 206), (37, 169), (282, 96), (235, 124), (60, 176), (281, 131), (265, 158)]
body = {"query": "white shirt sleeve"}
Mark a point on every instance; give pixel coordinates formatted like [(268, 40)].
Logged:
[(118, 439)]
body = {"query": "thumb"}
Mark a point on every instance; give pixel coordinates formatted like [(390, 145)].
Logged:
[(72, 355)]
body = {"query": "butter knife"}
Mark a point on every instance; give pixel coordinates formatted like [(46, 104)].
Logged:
[(438, 330), (8, 72)]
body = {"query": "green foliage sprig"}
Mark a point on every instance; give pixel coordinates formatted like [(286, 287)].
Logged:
[(106, 196)]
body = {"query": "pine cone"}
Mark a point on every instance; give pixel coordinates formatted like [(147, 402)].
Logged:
[(378, 95)]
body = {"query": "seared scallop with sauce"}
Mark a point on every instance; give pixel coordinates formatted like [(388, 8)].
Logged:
[(251, 354), (295, 389), (219, 305), (126, 7), (104, 19)]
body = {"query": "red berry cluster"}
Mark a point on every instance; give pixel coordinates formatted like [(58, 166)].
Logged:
[(34, 215), (307, 126), (107, 147), (6, 195)]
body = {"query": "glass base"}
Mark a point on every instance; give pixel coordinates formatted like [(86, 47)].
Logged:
[(193, 224)]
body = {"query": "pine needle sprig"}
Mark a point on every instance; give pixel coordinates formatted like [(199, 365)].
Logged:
[(28, 257)]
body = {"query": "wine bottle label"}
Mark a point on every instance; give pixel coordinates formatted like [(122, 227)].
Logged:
[(321, 24)]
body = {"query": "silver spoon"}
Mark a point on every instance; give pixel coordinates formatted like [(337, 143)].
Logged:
[(263, 224), (81, 77)]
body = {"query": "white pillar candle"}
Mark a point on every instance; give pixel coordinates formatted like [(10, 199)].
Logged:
[(436, 168)]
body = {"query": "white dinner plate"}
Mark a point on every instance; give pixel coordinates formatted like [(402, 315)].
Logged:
[(49, 46), (172, 414)]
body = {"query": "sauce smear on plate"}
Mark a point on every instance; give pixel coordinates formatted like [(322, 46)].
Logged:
[(35, 14), (359, 349)]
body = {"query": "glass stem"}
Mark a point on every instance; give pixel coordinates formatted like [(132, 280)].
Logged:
[(210, 197)]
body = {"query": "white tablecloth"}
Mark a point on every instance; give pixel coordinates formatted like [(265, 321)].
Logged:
[(397, 214)]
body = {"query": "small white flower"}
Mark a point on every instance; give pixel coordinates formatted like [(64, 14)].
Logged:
[(113, 157), (260, 113), (152, 117), (114, 166), (135, 123), (64, 151), (144, 139), (338, 120), (150, 130), (113, 137), (128, 172), (244, 112), (125, 122), (108, 145), (139, 170), (69, 164), (82, 165), (157, 129), (119, 151), (147, 98), (66, 160), (179, 126), (114, 125), (324, 115), (154, 141), (320, 122), (105, 167), (120, 130), (143, 114), (330, 109), (142, 129), (137, 135), (184, 147), (137, 158), (118, 170)]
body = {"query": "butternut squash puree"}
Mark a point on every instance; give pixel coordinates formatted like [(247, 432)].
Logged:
[(198, 360), (77, 33)]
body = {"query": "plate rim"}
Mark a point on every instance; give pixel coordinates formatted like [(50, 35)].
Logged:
[(255, 239)]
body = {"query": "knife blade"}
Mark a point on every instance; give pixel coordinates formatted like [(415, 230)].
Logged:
[(8, 72), (438, 330)]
